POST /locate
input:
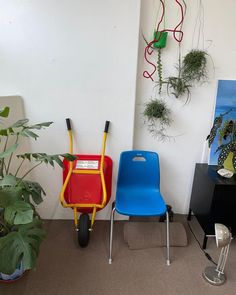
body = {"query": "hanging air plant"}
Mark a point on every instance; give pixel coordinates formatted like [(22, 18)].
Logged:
[(156, 109), (157, 118), (195, 66), (179, 87)]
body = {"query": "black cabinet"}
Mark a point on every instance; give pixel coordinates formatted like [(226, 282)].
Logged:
[(213, 200)]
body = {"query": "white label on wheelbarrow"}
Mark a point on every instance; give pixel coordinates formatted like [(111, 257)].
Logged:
[(85, 164)]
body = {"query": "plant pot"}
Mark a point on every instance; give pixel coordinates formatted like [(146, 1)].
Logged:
[(162, 38), (16, 275)]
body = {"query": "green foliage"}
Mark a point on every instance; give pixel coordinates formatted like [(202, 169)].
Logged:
[(24, 189), (157, 116), (178, 87), (228, 129), (225, 149), (226, 132), (216, 125), (4, 112), (21, 128), (47, 159), (18, 212), (21, 244), (21, 231), (156, 109), (194, 66), (159, 70), (8, 151)]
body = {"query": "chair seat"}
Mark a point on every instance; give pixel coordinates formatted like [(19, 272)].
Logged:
[(136, 201)]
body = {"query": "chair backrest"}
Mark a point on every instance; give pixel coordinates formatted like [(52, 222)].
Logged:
[(139, 168)]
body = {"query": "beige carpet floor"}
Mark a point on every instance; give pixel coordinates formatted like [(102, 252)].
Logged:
[(65, 269)]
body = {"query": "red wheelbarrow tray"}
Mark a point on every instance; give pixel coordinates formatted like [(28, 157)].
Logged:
[(87, 188)]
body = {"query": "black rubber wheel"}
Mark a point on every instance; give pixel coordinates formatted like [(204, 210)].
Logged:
[(83, 230)]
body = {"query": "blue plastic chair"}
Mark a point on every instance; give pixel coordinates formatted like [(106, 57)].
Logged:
[(138, 190)]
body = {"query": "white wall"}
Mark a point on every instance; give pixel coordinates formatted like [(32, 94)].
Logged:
[(77, 59), (192, 122)]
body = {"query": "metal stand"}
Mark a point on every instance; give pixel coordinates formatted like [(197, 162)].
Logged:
[(216, 276), (213, 277), (167, 239), (111, 232)]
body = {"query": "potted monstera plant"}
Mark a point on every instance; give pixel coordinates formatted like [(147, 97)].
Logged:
[(21, 228)]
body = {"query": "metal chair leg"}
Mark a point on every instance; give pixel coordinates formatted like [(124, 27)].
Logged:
[(111, 233), (167, 238)]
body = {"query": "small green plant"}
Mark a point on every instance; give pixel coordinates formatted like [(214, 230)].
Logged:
[(158, 43), (179, 87), (157, 117), (225, 132), (161, 38), (156, 109), (159, 70), (21, 231), (195, 66)]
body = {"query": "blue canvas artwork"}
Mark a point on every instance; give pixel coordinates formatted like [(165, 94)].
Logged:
[(225, 104)]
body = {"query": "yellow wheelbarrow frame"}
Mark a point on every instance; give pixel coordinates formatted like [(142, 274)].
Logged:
[(71, 171)]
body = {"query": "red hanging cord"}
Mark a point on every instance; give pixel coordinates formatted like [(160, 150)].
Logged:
[(148, 52)]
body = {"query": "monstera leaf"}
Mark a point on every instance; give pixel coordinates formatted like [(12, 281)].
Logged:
[(21, 245), (32, 189), (9, 151), (9, 196), (9, 181), (14, 188), (18, 212), (47, 159), (15, 210), (22, 128)]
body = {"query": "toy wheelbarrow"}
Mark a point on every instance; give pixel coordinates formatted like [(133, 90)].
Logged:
[(87, 183)]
